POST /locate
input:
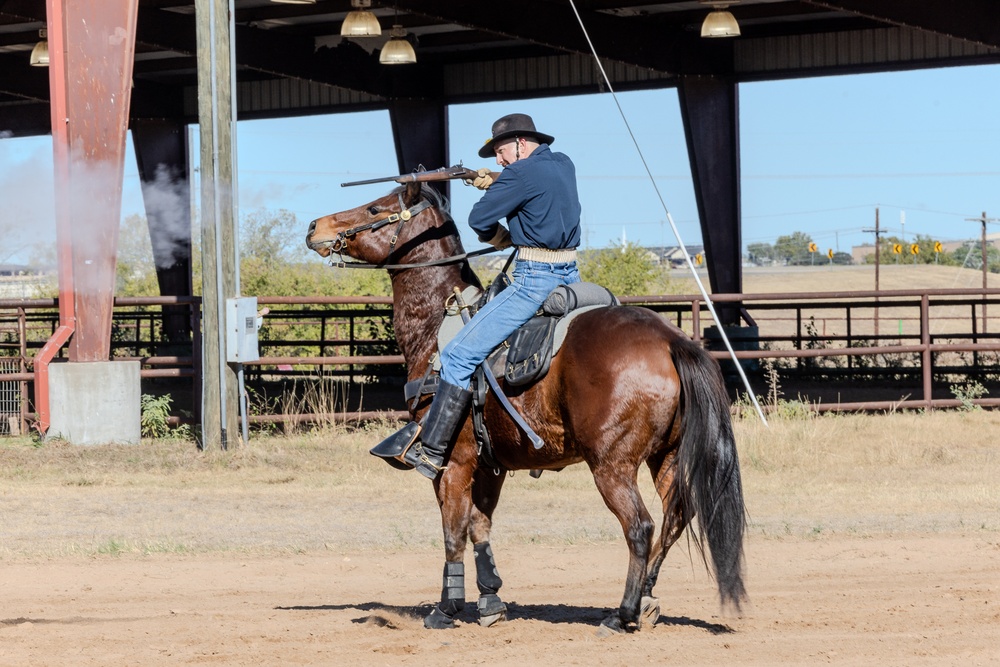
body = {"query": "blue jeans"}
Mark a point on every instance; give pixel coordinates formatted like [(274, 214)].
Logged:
[(530, 283)]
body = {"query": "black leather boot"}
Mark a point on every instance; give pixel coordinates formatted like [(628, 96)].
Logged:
[(423, 446)]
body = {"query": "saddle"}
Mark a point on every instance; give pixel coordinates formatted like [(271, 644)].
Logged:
[(532, 347), (524, 358)]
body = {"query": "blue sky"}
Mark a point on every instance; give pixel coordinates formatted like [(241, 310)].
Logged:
[(818, 155)]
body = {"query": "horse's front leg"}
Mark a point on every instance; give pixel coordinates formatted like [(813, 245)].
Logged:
[(454, 494), (485, 494)]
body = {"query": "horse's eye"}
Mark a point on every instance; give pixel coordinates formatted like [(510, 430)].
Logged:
[(373, 210)]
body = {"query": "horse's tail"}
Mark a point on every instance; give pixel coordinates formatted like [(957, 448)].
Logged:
[(708, 469)]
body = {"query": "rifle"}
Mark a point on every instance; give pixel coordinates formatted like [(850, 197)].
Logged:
[(423, 176)]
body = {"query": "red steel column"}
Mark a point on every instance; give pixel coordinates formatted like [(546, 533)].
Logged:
[(91, 49)]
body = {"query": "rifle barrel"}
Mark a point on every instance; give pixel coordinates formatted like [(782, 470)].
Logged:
[(442, 174), (385, 179)]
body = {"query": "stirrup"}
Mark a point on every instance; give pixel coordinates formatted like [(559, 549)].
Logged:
[(425, 465), (395, 448)]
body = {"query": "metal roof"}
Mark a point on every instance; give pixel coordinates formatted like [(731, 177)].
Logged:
[(291, 59)]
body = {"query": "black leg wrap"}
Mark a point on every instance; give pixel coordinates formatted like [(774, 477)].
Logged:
[(453, 588), (490, 604), (487, 578), (452, 598), (438, 620)]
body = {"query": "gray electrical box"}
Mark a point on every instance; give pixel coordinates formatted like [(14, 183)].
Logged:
[(242, 324)]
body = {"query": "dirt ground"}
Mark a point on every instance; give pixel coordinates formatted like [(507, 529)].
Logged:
[(905, 600), (880, 563)]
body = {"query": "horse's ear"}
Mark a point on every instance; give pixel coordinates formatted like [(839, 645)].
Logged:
[(412, 194)]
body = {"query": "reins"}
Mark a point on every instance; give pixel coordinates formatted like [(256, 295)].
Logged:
[(454, 259), (338, 244)]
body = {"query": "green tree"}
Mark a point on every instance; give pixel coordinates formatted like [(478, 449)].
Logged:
[(970, 256), (626, 270), (793, 248), (760, 253)]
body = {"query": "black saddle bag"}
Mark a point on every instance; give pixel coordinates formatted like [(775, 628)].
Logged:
[(530, 351)]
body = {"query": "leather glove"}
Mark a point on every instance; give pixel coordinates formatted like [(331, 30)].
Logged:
[(501, 240), (484, 180)]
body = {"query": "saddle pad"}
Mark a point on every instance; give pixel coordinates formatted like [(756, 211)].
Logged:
[(453, 323), (562, 326)]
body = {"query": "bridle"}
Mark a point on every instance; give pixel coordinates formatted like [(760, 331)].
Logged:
[(339, 243), (405, 214)]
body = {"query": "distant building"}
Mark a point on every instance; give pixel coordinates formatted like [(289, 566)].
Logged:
[(673, 256), (859, 253)]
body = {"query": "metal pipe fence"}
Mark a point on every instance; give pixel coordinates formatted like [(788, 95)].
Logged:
[(938, 335)]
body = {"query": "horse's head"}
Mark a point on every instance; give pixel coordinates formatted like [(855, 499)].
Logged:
[(384, 230)]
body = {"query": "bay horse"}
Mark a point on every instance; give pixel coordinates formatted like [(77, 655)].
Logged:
[(625, 388)]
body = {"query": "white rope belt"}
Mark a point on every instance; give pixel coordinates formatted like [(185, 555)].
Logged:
[(545, 255)]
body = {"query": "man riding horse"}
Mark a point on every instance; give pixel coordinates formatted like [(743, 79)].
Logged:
[(537, 194)]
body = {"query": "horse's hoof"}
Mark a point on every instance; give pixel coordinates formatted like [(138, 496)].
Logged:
[(492, 610), (493, 619), (438, 620), (612, 625), (649, 611)]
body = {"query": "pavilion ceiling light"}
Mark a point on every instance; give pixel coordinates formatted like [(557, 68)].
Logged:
[(398, 50), (40, 54), (719, 22), (360, 22)]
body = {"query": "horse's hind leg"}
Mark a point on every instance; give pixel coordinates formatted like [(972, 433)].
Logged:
[(674, 523), (617, 486)]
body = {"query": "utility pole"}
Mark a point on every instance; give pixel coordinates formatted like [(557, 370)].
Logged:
[(878, 251), (214, 32), (983, 220)]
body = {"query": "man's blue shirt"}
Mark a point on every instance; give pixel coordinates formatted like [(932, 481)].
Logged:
[(539, 199)]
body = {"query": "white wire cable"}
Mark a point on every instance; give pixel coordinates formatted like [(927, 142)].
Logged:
[(670, 219)]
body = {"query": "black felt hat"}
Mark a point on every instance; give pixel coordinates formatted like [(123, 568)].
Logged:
[(513, 125)]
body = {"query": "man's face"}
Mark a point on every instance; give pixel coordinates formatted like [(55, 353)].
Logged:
[(507, 152)]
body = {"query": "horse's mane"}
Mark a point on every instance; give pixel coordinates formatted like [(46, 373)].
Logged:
[(439, 201)]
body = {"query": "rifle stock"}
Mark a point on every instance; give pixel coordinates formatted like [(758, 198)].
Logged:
[(442, 174)]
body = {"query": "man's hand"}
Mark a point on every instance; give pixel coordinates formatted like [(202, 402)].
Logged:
[(501, 240), (483, 180)]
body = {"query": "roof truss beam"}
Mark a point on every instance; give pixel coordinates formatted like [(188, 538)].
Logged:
[(943, 18)]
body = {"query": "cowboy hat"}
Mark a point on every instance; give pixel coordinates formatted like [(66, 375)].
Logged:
[(513, 125)]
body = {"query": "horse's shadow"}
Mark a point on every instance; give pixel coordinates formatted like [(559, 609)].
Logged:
[(376, 612)]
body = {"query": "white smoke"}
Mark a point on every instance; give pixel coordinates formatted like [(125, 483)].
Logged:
[(27, 213), (168, 212)]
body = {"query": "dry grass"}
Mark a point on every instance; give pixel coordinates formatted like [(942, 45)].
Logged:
[(897, 472), (812, 476)]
